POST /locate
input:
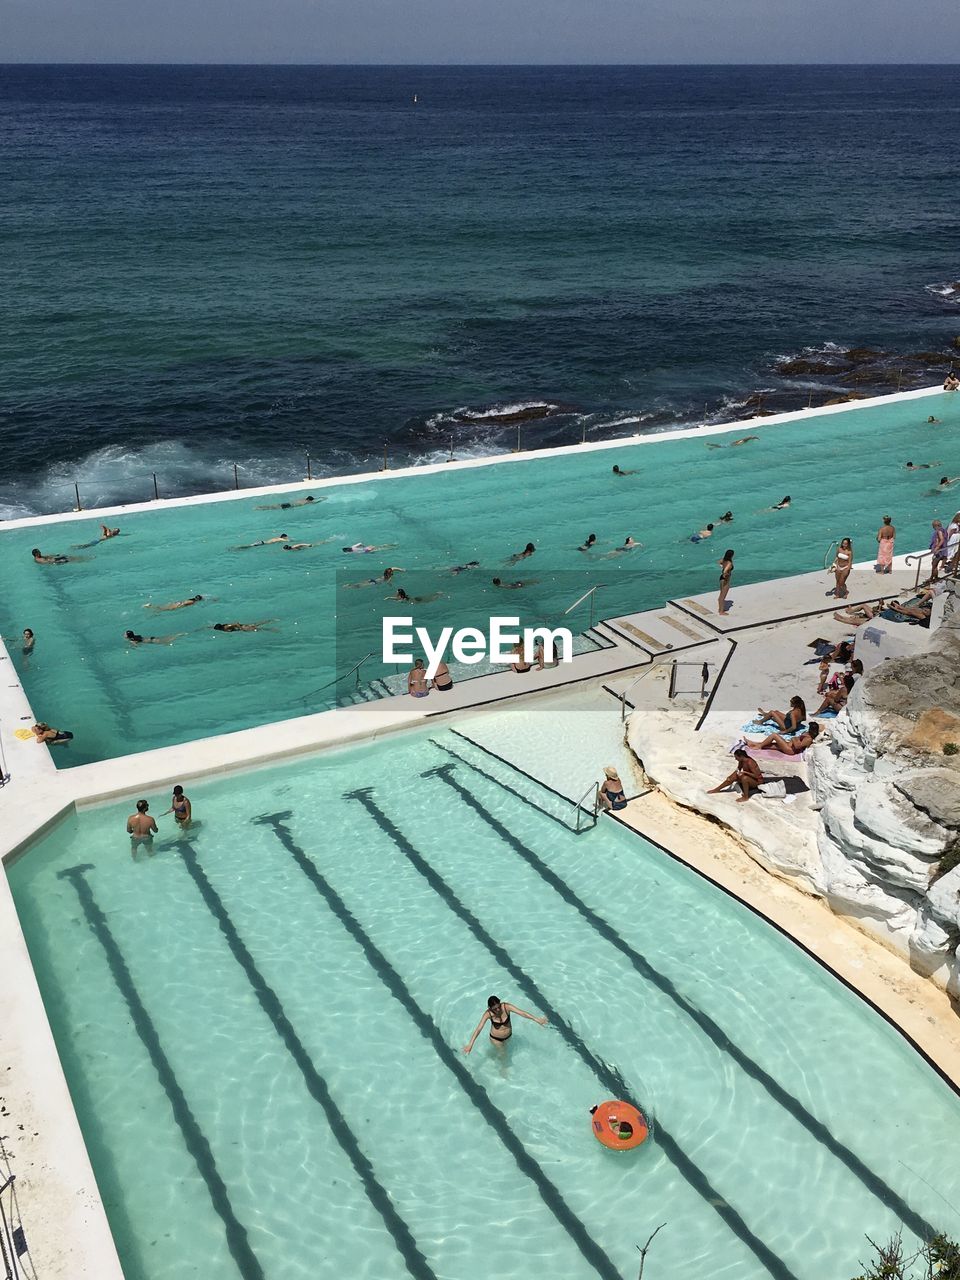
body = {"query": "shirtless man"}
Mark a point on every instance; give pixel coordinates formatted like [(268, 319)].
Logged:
[(618, 471), (360, 548), (748, 776), (177, 604), (40, 558), (285, 506), (920, 466), (106, 533), (141, 828), (297, 546), (245, 626)]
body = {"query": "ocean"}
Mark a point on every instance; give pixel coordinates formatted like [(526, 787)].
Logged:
[(209, 266)]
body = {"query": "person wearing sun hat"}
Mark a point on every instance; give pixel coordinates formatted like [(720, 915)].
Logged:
[(612, 795)]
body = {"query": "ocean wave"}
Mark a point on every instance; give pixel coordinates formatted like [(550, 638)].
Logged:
[(949, 290)]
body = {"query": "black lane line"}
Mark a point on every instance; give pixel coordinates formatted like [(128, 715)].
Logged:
[(194, 1139), (872, 1181), (608, 1076), (378, 1196), (495, 1118)]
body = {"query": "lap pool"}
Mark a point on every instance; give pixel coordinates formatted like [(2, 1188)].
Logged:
[(261, 1026), (843, 472)]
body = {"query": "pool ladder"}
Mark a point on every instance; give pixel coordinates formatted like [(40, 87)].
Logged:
[(595, 788)]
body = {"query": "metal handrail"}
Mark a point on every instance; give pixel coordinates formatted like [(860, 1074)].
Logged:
[(594, 588), (343, 675), (623, 693), (595, 788), (829, 553), (916, 558)]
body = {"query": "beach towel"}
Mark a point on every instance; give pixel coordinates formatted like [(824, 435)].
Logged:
[(770, 726), (885, 553)]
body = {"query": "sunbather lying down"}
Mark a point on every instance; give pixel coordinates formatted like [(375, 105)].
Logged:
[(859, 614), (921, 608), (789, 746)]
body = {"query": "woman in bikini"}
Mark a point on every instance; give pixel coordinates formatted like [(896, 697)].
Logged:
[(789, 746), (842, 564), (726, 573), (786, 721), (181, 808), (612, 795), (498, 1013), (417, 685), (442, 680)]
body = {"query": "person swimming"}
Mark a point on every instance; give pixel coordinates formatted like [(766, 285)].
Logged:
[(177, 604), (705, 532), (402, 596), (285, 506), (464, 568), (589, 544), (527, 551), (618, 471), (264, 542), (725, 518), (135, 638), (629, 544), (360, 548), (920, 466), (244, 626), (40, 558), (782, 504), (514, 586)]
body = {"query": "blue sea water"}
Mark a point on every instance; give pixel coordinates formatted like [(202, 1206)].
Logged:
[(209, 265)]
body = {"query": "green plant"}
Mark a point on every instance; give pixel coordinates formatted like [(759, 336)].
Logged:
[(951, 748), (939, 1259), (949, 860)]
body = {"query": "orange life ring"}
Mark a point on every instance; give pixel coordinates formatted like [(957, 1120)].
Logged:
[(618, 1125)]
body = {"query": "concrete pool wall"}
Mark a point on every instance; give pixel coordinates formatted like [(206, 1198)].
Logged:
[(64, 1218)]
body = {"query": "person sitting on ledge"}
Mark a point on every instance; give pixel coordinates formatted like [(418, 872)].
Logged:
[(951, 382), (612, 794), (790, 746), (748, 776), (787, 721), (836, 699)]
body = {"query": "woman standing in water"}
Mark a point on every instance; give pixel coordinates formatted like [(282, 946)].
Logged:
[(726, 573), (498, 1013)]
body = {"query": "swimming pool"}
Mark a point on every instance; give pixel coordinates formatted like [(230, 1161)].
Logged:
[(261, 1028), (844, 472)]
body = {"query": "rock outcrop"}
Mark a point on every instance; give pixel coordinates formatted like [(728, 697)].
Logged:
[(889, 800)]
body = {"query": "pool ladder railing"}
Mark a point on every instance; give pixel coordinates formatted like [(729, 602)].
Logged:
[(917, 559), (13, 1243), (594, 787), (587, 594)]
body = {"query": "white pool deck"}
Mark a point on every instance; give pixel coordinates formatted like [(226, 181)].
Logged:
[(67, 1229)]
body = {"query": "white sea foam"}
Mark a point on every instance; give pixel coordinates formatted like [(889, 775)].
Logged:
[(948, 290)]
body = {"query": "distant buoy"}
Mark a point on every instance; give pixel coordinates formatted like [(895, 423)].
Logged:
[(618, 1125)]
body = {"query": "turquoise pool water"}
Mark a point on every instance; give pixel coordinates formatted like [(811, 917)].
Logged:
[(261, 1026), (843, 472)]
